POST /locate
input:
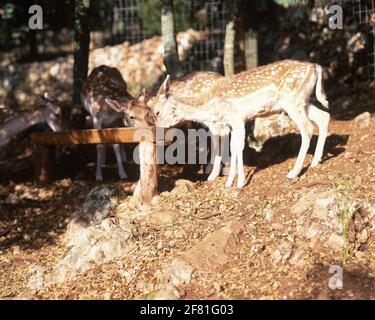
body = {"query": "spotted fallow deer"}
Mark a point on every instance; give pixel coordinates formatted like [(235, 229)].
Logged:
[(104, 95), (49, 110), (191, 88), (281, 86)]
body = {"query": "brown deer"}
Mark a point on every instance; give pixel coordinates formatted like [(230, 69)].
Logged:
[(49, 111), (104, 95), (281, 86)]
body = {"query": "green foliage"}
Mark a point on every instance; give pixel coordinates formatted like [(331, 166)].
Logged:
[(8, 11), (304, 2), (150, 11), (15, 16), (346, 204), (10, 34)]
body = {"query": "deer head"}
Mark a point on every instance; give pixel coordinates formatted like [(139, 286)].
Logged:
[(163, 106), (136, 112), (191, 91), (53, 111)]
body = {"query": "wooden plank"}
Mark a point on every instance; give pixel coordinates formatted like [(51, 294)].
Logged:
[(44, 169), (94, 136)]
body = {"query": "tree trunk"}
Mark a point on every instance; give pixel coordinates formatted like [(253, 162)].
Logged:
[(81, 54), (240, 61), (33, 45), (230, 36), (251, 36), (170, 45), (251, 49)]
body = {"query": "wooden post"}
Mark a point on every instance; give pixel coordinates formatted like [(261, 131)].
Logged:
[(148, 171), (44, 164)]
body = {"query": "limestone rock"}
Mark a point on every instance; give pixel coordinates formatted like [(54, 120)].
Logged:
[(305, 202), (213, 251), (98, 205), (321, 220), (266, 128), (161, 217), (182, 187), (363, 120), (92, 237), (208, 255), (283, 252), (94, 244)]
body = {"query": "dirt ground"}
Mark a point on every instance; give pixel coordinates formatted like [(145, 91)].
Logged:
[(33, 220)]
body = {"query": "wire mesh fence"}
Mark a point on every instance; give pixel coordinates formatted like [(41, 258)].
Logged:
[(126, 22), (210, 18), (136, 20), (364, 13)]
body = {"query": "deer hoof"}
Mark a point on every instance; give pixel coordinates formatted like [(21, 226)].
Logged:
[(229, 183), (240, 184), (292, 174), (314, 164), (212, 177), (123, 176), (208, 169)]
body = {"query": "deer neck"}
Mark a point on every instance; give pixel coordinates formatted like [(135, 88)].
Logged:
[(20, 122), (198, 113), (208, 114)]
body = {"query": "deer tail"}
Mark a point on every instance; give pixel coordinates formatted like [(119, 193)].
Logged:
[(320, 95)]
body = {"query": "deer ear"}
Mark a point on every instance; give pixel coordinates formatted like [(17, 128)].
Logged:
[(46, 101), (164, 89), (142, 96), (49, 96), (129, 105), (55, 109), (150, 118), (114, 105), (41, 100)]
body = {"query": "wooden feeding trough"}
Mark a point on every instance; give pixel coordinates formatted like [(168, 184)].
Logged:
[(46, 142)]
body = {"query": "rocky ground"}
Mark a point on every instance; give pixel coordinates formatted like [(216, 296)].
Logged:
[(274, 239)]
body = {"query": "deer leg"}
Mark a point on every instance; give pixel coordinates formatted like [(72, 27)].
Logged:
[(233, 160), (240, 138), (100, 160), (298, 115), (215, 158), (123, 152), (100, 151), (209, 166), (321, 118), (121, 170)]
